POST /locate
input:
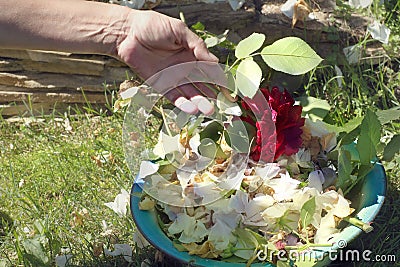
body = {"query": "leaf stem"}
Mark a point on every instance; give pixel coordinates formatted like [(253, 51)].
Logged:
[(366, 227), (165, 121)]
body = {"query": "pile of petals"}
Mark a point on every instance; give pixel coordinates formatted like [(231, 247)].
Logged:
[(234, 204)]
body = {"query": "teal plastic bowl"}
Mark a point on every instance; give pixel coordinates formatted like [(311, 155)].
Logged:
[(367, 197)]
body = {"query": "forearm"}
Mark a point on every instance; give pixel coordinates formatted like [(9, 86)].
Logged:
[(63, 25)]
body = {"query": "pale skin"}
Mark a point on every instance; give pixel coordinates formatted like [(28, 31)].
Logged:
[(146, 41)]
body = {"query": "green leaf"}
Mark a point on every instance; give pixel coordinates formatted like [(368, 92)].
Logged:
[(291, 55), (370, 134), (345, 168), (235, 259), (307, 212), (246, 243), (198, 26), (249, 45), (349, 138), (237, 136), (392, 148), (35, 251), (352, 124), (208, 148), (213, 131), (386, 116), (178, 245), (283, 264), (305, 261), (248, 77), (315, 108)]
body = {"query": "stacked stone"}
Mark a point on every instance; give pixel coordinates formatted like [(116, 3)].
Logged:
[(39, 81)]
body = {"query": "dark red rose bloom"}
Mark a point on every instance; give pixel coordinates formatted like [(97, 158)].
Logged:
[(287, 119)]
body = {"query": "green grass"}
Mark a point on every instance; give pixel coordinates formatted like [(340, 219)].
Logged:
[(48, 173)]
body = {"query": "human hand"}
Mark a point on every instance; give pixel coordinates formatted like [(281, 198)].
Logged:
[(154, 42)]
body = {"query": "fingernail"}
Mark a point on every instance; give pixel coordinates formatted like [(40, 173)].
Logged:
[(186, 106), (205, 106)]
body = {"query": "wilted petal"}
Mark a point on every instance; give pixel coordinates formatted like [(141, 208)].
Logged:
[(352, 54), (239, 201), (379, 32), (302, 196), (221, 235), (194, 143), (120, 203), (268, 171), (166, 144), (124, 250), (227, 107), (147, 168), (316, 179), (182, 223), (62, 260), (284, 187), (139, 240), (257, 205), (194, 235), (360, 3), (327, 229), (339, 76), (342, 208)]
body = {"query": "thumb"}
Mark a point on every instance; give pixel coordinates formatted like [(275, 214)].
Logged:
[(199, 48)]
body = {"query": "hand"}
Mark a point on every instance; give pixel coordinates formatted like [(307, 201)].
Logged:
[(154, 42)]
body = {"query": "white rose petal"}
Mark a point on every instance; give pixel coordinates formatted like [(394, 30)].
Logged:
[(379, 32), (221, 235), (268, 171), (327, 229), (124, 250), (236, 4), (360, 3), (147, 168), (120, 203), (62, 260), (284, 187), (352, 54), (316, 179), (339, 76), (166, 144), (227, 107), (139, 240), (342, 208)]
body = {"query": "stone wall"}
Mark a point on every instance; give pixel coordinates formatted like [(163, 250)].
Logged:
[(40, 81)]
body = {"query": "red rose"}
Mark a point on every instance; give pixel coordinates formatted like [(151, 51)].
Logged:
[(277, 107)]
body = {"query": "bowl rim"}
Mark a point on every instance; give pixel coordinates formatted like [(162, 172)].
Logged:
[(374, 182)]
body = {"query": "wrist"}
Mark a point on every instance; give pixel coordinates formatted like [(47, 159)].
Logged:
[(116, 30)]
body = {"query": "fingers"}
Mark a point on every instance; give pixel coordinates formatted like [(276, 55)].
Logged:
[(194, 43), (188, 99)]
